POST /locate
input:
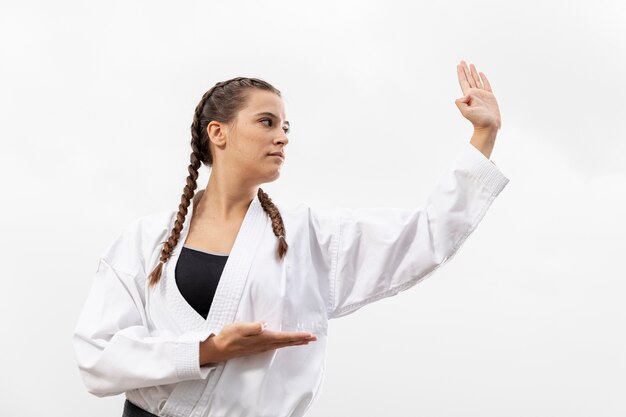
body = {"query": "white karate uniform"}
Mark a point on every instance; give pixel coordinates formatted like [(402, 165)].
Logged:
[(145, 342)]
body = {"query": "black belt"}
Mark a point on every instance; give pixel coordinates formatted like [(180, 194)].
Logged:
[(132, 410)]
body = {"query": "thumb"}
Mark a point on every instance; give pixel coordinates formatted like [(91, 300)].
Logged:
[(463, 101), (255, 328)]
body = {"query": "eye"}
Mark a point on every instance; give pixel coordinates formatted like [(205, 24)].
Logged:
[(286, 129)]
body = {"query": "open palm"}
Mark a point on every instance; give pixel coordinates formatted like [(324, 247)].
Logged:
[(478, 104)]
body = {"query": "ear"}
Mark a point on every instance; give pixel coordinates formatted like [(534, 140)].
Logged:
[(217, 133)]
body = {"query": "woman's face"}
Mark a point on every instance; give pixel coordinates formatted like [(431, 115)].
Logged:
[(259, 129)]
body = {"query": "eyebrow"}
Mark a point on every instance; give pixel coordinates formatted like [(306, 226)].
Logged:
[(266, 113)]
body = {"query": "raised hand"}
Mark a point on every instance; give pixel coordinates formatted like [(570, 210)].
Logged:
[(478, 104), (242, 338)]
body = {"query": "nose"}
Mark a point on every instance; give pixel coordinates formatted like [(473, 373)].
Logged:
[(283, 139)]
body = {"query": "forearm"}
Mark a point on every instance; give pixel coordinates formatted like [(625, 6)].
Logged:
[(484, 139)]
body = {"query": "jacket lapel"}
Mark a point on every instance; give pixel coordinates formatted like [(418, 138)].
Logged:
[(234, 276)]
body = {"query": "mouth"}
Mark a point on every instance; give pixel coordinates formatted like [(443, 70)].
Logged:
[(279, 154)]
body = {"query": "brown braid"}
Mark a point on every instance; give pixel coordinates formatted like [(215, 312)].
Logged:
[(277, 222), (222, 103)]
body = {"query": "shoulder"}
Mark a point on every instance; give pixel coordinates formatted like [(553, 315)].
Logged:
[(304, 217), (138, 239), (304, 211)]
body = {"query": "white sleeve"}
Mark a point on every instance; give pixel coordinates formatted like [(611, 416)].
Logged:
[(378, 252), (114, 348)]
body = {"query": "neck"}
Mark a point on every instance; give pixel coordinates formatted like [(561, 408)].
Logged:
[(223, 199)]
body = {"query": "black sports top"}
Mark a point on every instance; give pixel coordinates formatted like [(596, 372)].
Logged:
[(197, 275)]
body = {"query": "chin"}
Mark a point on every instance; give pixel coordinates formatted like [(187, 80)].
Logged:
[(269, 177), (275, 177)]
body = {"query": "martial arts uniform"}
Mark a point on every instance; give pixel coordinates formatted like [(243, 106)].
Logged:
[(145, 342)]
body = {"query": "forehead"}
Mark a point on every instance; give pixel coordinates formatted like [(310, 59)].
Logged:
[(262, 100)]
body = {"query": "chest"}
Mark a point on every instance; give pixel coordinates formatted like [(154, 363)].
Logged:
[(289, 294), (212, 236)]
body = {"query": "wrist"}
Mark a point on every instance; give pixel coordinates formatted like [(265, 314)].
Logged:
[(489, 130), (208, 351), (484, 139)]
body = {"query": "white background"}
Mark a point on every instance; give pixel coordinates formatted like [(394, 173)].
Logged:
[(96, 100)]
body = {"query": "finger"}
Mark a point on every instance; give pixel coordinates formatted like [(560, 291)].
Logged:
[(283, 345), (468, 75), (289, 342), (286, 336), (463, 101), (462, 79), (270, 346), (475, 76), (486, 82), (252, 329), (293, 339)]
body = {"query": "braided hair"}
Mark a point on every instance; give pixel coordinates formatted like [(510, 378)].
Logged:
[(222, 103)]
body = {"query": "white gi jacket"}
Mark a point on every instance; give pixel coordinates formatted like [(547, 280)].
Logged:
[(145, 343)]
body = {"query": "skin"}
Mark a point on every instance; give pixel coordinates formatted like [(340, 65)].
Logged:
[(479, 106), (241, 164), (240, 155)]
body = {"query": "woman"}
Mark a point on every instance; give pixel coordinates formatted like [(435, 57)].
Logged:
[(221, 308)]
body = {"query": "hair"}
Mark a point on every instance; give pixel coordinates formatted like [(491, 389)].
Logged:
[(221, 103)]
